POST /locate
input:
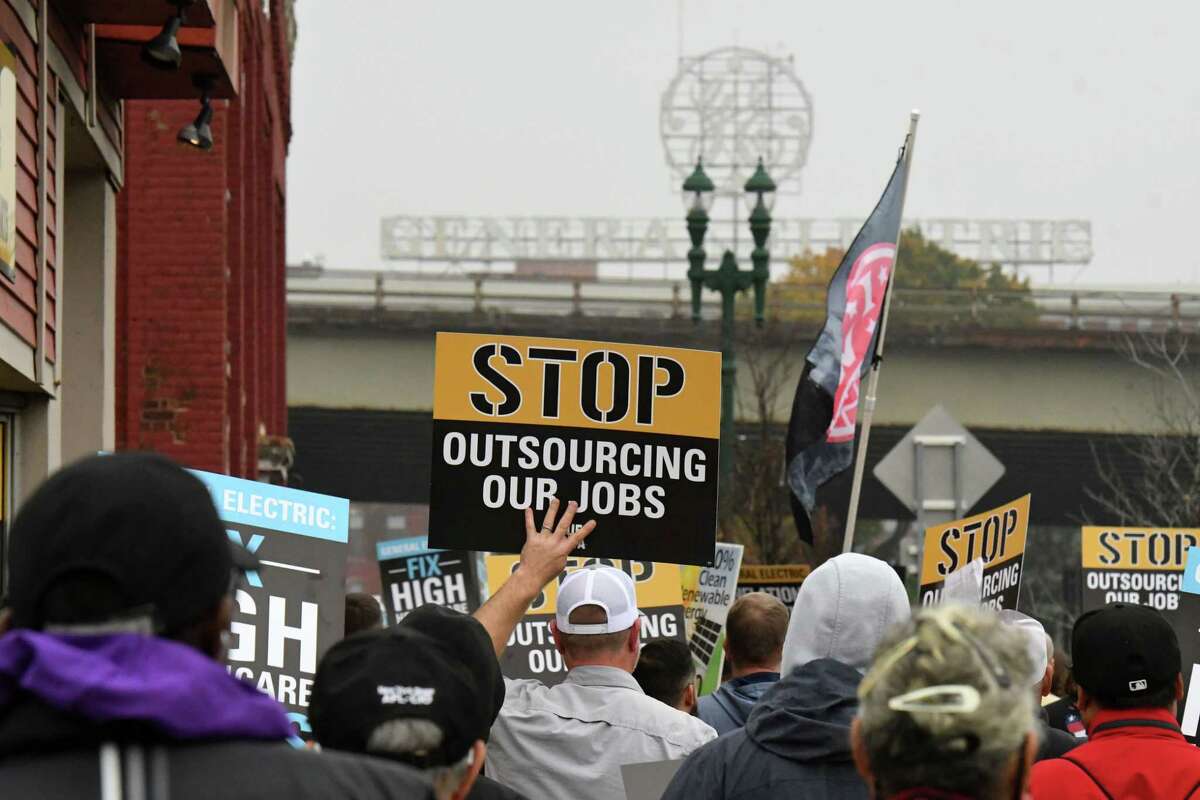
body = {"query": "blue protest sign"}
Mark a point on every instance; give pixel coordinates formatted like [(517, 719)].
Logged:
[(1190, 582), (293, 609), (413, 574)]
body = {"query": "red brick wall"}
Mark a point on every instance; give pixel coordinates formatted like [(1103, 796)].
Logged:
[(200, 311)]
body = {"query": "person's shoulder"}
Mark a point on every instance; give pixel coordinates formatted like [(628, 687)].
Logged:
[(518, 690), (677, 726), (388, 777), (487, 789), (721, 749), (1054, 743), (278, 770), (230, 770), (1048, 777)]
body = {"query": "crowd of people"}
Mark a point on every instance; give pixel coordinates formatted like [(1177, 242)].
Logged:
[(121, 594)]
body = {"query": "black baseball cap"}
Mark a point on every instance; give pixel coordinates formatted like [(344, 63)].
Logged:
[(468, 641), (412, 670), (1124, 651), (137, 522)]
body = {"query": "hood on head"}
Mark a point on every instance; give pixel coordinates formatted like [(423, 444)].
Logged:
[(806, 715), (842, 611)]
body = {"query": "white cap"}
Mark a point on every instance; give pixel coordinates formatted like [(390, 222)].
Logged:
[(1035, 640), (607, 587)]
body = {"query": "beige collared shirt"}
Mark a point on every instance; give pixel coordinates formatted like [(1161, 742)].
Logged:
[(568, 742)]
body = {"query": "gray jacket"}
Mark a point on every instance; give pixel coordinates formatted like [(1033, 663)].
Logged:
[(570, 740), (51, 755)]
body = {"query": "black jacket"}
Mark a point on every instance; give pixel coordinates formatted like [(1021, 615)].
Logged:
[(796, 743), (487, 789), (1052, 743), (50, 755)]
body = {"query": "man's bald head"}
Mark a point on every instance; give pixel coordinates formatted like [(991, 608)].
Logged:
[(754, 633)]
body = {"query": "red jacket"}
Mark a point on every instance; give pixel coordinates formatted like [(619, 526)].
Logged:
[(1130, 755)]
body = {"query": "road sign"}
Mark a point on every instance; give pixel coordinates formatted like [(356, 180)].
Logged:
[(939, 470)]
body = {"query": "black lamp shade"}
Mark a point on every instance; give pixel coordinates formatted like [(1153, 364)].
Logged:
[(163, 50)]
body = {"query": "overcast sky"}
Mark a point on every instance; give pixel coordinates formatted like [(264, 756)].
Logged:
[(1030, 109)]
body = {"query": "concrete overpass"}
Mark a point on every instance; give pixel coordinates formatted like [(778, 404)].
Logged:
[(1037, 377), (365, 341)]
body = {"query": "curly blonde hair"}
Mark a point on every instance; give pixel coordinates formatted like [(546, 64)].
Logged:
[(945, 703)]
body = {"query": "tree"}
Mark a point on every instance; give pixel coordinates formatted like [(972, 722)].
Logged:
[(756, 509), (933, 286), (1148, 480), (1160, 484)]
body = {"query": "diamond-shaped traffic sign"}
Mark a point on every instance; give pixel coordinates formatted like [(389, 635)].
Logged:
[(939, 467)]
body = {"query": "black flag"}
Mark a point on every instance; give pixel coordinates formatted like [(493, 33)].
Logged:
[(820, 439)]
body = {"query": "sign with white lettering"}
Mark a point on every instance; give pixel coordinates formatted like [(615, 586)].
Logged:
[(531, 652), (1145, 566), (290, 612), (630, 432), (708, 592), (996, 536), (412, 575), (780, 580)]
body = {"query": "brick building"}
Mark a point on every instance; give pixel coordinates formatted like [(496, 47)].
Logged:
[(68, 69), (200, 276), (129, 257)]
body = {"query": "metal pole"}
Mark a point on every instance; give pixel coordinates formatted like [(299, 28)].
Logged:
[(860, 461), (728, 383)]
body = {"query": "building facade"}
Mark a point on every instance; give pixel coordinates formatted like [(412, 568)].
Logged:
[(93, 161), (200, 279), (66, 67)]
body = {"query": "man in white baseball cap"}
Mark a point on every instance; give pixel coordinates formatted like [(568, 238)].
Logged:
[(571, 740)]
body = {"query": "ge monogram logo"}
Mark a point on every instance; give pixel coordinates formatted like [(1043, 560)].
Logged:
[(731, 106)]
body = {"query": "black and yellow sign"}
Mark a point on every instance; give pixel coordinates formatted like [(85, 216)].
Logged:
[(780, 580), (996, 536), (1144, 566), (630, 432), (531, 652)]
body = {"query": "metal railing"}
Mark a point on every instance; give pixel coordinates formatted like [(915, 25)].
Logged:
[(1044, 308)]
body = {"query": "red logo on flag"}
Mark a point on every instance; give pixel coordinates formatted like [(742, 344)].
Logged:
[(865, 289)]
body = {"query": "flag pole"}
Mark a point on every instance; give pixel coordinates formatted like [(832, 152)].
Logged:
[(860, 461)]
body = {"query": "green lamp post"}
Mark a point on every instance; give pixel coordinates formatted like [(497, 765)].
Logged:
[(728, 279)]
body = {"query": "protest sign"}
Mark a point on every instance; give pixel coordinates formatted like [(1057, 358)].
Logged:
[(630, 432), (708, 592), (292, 610), (781, 580), (996, 536), (648, 780), (412, 575), (1145, 566), (530, 652), (1191, 572), (965, 585)]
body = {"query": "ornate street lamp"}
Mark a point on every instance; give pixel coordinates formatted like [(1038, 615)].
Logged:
[(729, 280)]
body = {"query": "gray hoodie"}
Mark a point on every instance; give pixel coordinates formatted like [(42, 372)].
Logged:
[(796, 742), (842, 611)]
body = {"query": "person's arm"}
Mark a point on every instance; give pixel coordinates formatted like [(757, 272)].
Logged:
[(543, 558)]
